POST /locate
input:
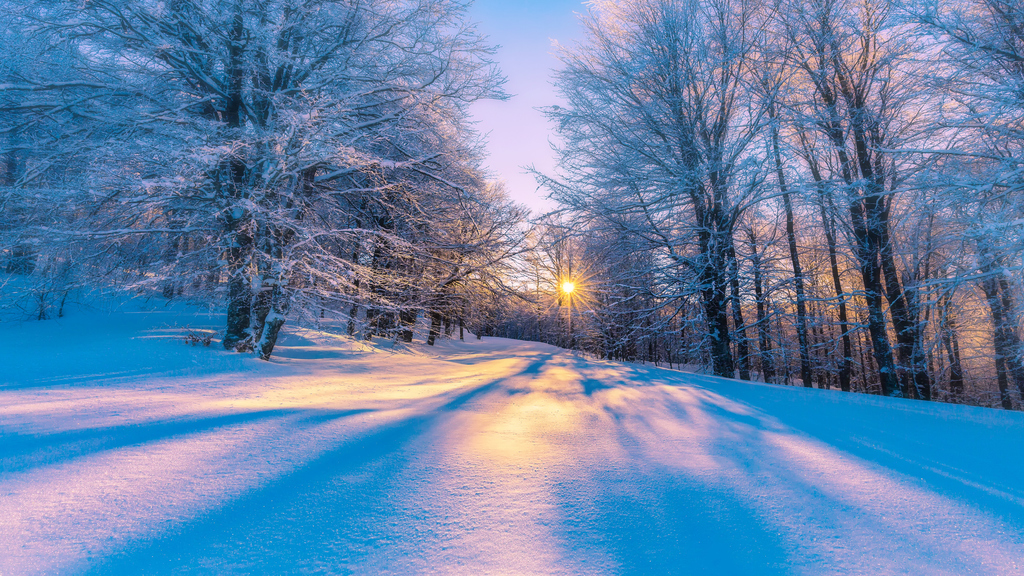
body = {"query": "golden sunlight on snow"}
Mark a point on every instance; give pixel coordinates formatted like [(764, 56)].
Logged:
[(492, 456)]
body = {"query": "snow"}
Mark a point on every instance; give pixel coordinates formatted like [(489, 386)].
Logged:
[(124, 450)]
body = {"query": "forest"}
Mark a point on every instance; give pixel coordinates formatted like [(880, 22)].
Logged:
[(824, 193)]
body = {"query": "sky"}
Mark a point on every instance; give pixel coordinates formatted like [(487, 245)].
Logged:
[(517, 134)]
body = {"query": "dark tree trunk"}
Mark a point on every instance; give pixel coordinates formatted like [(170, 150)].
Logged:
[(881, 349), (876, 214), (353, 311), (260, 309), (763, 327), (801, 296), (956, 371), (435, 328), (715, 300), (271, 328), (867, 365), (952, 344), (864, 219), (828, 225), (408, 320), (370, 326), (712, 239), (742, 346), (240, 241), (1002, 306), (1001, 340), (903, 306), (844, 324), (239, 308), (173, 285), (351, 324), (864, 216), (718, 328), (794, 257), (22, 259), (1014, 348)]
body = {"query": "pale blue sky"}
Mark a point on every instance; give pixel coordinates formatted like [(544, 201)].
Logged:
[(518, 134)]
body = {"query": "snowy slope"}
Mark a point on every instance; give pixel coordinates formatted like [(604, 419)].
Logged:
[(123, 450)]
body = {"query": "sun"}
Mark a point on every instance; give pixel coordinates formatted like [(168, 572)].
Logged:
[(568, 287)]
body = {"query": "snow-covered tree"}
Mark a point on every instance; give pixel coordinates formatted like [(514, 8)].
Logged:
[(303, 151), (662, 112), (980, 78)]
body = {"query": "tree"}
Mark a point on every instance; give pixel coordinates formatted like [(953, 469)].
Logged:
[(659, 123), (286, 146), (983, 46), (855, 61)]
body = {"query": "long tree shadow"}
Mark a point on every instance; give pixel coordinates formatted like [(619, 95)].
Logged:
[(832, 489), (657, 521), (648, 517), (325, 515), (338, 512), (955, 450), (21, 451), (962, 453)]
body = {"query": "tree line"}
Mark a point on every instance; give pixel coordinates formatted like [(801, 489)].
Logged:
[(826, 193)]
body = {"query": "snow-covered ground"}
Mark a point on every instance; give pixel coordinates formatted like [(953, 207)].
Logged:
[(125, 451)]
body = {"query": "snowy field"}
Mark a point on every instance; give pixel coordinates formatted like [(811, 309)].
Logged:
[(125, 451)]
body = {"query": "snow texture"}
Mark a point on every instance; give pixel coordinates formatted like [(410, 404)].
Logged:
[(124, 450)]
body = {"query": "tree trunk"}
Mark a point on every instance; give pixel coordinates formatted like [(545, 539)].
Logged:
[(742, 346), (1005, 340), (903, 306), (865, 222), (408, 320), (268, 339), (1000, 339), (715, 300), (763, 327), (801, 296), (876, 213), (350, 327), (718, 329), (239, 239), (830, 237), (952, 345), (864, 219), (22, 260), (1014, 349), (239, 309), (435, 328), (794, 257)]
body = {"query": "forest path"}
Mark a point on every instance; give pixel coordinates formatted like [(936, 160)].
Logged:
[(486, 457)]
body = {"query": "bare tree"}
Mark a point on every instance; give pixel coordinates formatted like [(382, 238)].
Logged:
[(660, 121), (290, 147)]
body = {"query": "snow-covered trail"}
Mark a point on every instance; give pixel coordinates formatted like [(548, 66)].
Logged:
[(492, 457)]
